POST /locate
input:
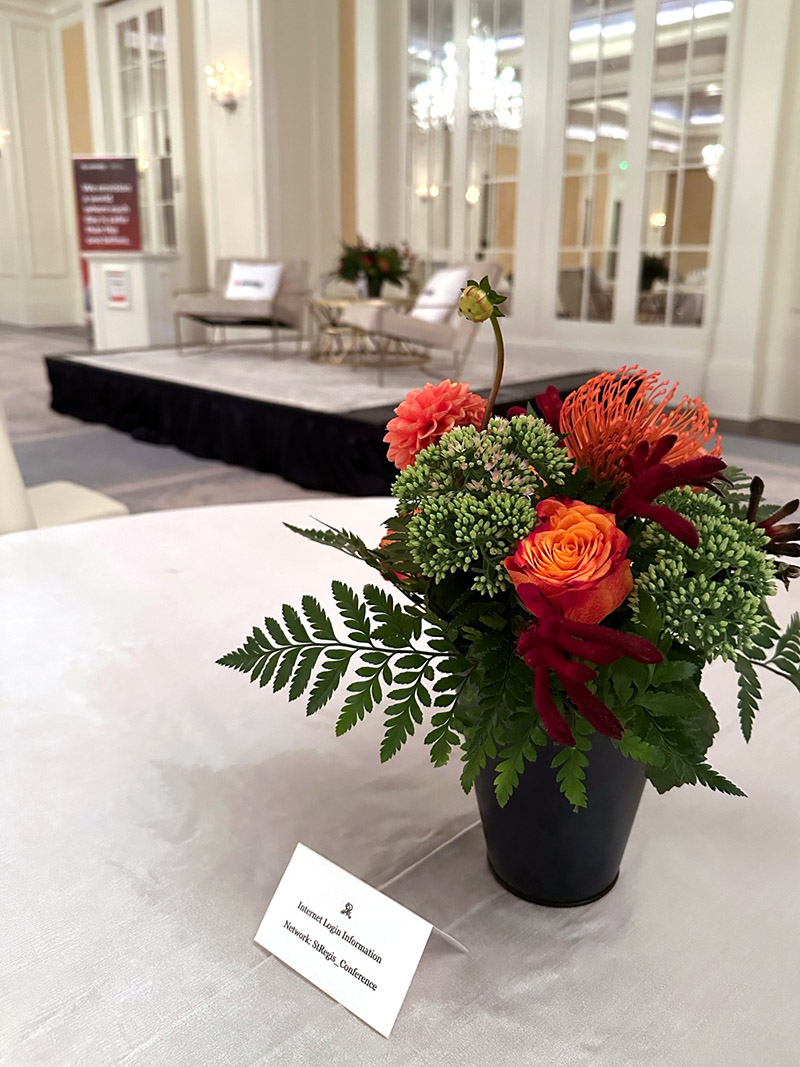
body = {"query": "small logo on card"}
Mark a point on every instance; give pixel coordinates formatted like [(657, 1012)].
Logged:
[(347, 911)]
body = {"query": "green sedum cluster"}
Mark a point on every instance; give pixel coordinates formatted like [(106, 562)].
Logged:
[(469, 532), (473, 496), (711, 598)]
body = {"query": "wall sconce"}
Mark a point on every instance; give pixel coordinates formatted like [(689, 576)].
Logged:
[(658, 220), (142, 163), (472, 195), (224, 86), (4, 136)]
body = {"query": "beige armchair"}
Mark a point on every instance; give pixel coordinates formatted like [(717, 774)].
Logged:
[(433, 323), (285, 310), (51, 504)]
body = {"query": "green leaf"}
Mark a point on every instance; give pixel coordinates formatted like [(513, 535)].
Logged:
[(786, 657), (707, 776), (352, 611), (269, 669), (651, 620), (442, 737), (293, 625), (276, 633), (302, 674), (680, 723), (285, 668), (321, 625), (635, 748), (345, 541), (521, 736), (749, 695), (571, 764), (673, 671)]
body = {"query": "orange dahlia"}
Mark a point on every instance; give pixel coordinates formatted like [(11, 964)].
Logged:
[(606, 418), (426, 414)]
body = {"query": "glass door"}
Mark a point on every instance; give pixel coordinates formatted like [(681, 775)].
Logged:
[(138, 52), (464, 118), (642, 142)]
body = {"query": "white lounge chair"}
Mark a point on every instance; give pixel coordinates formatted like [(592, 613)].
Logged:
[(51, 504), (433, 323), (281, 288)]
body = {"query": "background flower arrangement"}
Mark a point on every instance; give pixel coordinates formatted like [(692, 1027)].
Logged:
[(564, 573), (378, 264)]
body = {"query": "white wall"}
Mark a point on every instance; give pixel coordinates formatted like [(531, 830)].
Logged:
[(778, 377), (39, 266), (300, 58), (747, 233), (381, 38), (270, 169), (234, 191)]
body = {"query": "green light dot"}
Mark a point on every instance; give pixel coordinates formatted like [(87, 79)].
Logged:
[(623, 164)]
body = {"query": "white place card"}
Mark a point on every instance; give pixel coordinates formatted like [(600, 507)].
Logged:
[(357, 945)]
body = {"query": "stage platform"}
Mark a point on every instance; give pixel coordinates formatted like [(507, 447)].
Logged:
[(319, 426)]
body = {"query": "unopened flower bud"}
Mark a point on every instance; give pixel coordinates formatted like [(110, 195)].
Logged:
[(475, 304)]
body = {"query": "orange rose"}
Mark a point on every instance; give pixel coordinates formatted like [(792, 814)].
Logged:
[(575, 559)]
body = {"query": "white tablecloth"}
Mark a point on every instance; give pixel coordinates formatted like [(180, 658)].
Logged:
[(151, 801)]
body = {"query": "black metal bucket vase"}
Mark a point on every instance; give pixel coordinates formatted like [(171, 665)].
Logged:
[(543, 851)]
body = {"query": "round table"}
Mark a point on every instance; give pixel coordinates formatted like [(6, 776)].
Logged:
[(335, 343), (152, 800)]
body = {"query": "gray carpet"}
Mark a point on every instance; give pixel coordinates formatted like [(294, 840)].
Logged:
[(143, 476), (150, 477)]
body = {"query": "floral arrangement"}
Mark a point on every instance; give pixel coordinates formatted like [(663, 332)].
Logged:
[(378, 263), (565, 573)]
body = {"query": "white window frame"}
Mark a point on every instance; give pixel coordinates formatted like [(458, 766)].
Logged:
[(120, 12), (624, 333), (457, 250)]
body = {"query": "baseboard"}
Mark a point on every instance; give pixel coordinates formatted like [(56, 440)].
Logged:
[(769, 429)]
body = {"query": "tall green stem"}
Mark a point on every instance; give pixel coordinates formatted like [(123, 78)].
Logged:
[(500, 359)]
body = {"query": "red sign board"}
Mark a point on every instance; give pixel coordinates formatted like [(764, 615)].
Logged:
[(107, 192)]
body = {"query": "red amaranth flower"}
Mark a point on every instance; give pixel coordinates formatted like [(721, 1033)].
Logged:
[(550, 403), (783, 537), (650, 476), (545, 646)]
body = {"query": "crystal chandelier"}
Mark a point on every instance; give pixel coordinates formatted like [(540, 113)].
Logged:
[(494, 95)]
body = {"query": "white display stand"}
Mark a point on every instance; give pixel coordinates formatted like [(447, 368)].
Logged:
[(131, 298)]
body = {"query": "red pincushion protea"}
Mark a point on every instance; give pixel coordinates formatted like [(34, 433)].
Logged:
[(426, 414)]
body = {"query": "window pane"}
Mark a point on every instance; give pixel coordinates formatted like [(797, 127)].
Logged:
[(667, 114), (495, 103), (576, 211), (505, 215), (156, 42), (685, 155), (595, 156), (710, 44), (433, 79), (570, 285), (439, 232), (601, 291), (128, 41), (131, 92), (158, 85), (696, 208)]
